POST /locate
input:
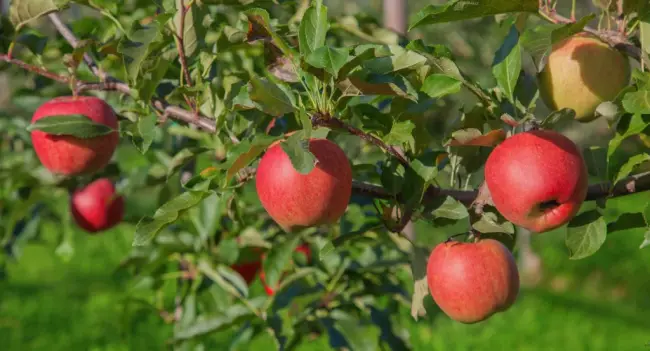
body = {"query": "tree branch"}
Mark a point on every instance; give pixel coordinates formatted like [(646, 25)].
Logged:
[(111, 84), (335, 123), (616, 39)]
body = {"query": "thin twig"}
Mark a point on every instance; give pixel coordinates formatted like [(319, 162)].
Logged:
[(335, 123), (110, 83), (180, 38), (74, 42), (613, 38), (38, 70)]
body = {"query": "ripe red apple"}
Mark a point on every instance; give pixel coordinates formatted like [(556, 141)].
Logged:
[(247, 270), (581, 73), (69, 155), (297, 200), (97, 207), (472, 281), (538, 179)]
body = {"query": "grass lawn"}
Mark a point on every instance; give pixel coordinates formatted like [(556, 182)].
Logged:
[(600, 303)]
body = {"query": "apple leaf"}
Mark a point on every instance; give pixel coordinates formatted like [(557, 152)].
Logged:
[(629, 125), (23, 11), (360, 83), (260, 26), (439, 85), (404, 60), (427, 165), (401, 133), (75, 125), (313, 29), (183, 157), (637, 102), (167, 214), (557, 119), (297, 148), (629, 166), (278, 259), (586, 233), (507, 63), (347, 332), (449, 208), (193, 32), (242, 154), (269, 98), (646, 240), (419, 259), (491, 222), (474, 137), (328, 58), (457, 10)]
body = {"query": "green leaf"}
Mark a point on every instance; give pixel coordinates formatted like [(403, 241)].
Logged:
[(23, 11), (401, 133), (351, 329), (183, 157), (194, 32), (167, 214), (637, 102), (449, 208), (646, 240), (278, 259), (558, 119), (492, 223), (457, 10), (329, 59), (507, 63), (629, 166), (420, 285), (75, 125), (313, 29), (146, 132), (305, 121), (269, 98), (426, 165), (406, 60), (233, 316), (242, 154), (439, 85), (628, 126), (586, 233), (297, 148), (137, 47), (261, 22)]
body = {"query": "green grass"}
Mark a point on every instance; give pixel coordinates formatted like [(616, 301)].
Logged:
[(599, 303)]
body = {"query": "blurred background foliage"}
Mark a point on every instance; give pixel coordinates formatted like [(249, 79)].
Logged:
[(75, 297)]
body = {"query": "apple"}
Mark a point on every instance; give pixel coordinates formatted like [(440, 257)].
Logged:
[(295, 201), (69, 155), (470, 282), (537, 179), (247, 270), (97, 207), (581, 73)]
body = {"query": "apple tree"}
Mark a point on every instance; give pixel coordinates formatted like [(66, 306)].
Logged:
[(267, 156)]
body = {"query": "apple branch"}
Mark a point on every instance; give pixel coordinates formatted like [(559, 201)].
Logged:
[(319, 119), (112, 84), (616, 39)]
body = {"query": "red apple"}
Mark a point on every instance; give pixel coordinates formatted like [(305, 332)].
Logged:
[(97, 207), (472, 281), (538, 179), (297, 200), (69, 155), (247, 270), (581, 73)]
